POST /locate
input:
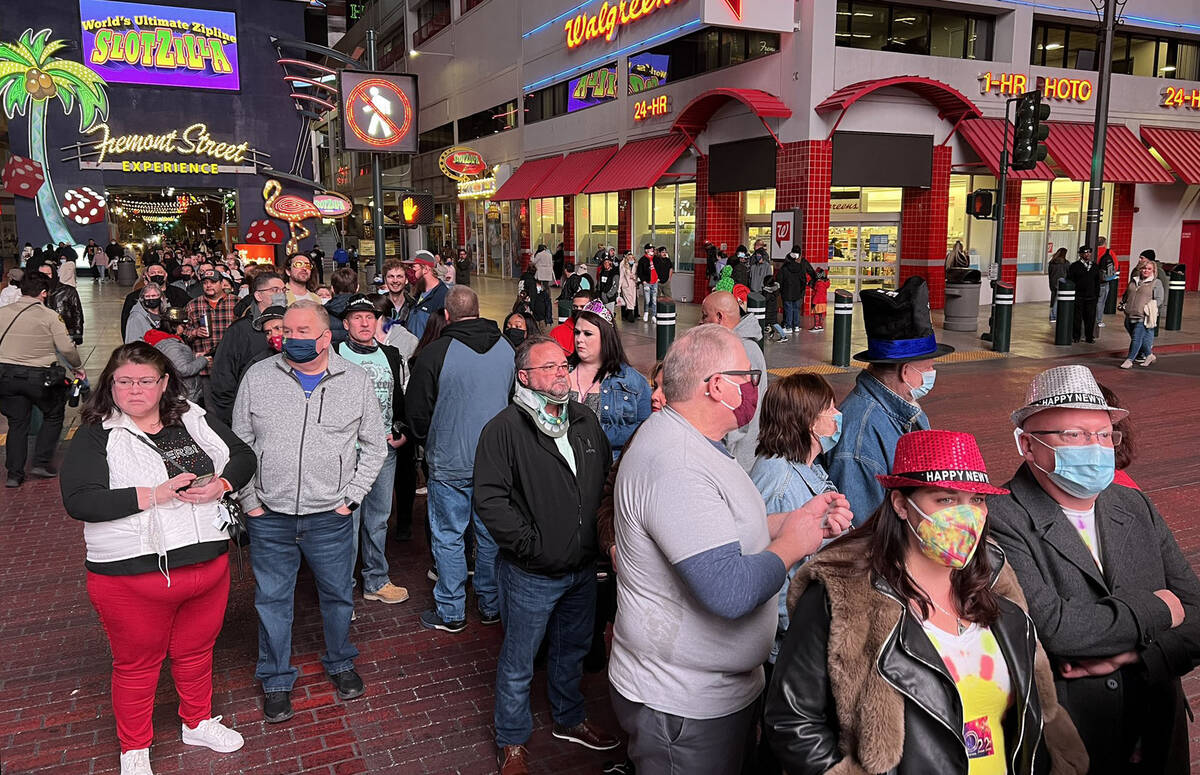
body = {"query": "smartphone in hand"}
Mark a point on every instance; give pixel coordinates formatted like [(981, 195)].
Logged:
[(200, 481)]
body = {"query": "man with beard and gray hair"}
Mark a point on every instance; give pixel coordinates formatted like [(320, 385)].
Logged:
[(541, 458)]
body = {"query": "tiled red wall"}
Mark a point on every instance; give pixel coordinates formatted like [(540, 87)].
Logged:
[(1121, 232), (624, 227), (569, 226), (923, 224), (718, 219), (803, 175), (1012, 232)]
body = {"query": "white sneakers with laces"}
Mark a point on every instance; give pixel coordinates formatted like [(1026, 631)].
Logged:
[(210, 733), (136, 762)]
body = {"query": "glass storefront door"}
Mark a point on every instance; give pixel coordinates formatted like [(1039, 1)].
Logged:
[(862, 255)]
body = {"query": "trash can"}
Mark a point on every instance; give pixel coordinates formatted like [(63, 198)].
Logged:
[(962, 307), (126, 272)]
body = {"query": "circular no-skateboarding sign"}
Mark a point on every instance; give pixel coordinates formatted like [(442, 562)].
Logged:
[(379, 111)]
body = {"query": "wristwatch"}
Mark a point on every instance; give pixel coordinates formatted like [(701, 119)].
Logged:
[(352, 505)]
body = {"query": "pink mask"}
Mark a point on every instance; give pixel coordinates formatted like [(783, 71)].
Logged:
[(743, 413)]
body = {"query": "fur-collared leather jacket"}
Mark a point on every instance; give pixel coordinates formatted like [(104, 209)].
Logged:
[(858, 687)]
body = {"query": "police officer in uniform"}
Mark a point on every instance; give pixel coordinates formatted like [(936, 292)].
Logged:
[(32, 336)]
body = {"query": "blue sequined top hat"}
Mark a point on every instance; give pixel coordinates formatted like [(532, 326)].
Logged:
[(898, 325)]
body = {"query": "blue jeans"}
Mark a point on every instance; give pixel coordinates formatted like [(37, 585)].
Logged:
[(533, 606), (1141, 339), (791, 314), (278, 541), (370, 525), (1100, 300), (650, 294), (449, 514)]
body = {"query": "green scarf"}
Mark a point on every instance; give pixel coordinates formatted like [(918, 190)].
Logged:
[(534, 404)]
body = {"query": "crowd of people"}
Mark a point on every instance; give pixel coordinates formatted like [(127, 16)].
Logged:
[(795, 583)]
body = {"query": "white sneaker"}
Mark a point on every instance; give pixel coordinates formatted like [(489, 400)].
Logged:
[(645, 316), (1151, 358), (210, 733), (1127, 364), (136, 762)]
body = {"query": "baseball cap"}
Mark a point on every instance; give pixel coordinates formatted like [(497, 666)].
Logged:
[(359, 302), (423, 257), (213, 276)]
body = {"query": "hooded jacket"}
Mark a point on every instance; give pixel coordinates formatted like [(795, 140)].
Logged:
[(459, 382), (859, 688), (542, 516), (794, 276), (760, 267), (741, 442), (186, 362)]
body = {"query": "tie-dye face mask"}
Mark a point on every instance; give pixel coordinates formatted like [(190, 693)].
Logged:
[(949, 536)]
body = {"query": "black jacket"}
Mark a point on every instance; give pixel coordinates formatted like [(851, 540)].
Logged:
[(741, 271), (335, 307), (802, 718), (1081, 612), (661, 265), (607, 284), (794, 277), (176, 297), (396, 361), (65, 301), (1086, 279), (240, 348), (541, 515)]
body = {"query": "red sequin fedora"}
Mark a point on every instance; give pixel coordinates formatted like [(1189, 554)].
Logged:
[(947, 459)]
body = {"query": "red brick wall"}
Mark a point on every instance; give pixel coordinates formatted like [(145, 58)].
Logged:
[(569, 227), (923, 224), (803, 175), (1012, 232), (718, 219), (1121, 232), (624, 224)]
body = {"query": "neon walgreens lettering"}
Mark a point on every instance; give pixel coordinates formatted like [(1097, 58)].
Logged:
[(194, 140), (610, 16)]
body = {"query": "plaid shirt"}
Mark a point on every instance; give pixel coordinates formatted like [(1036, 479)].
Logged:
[(220, 317)]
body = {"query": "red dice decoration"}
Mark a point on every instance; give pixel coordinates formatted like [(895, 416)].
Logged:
[(23, 177), (264, 232), (84, 206)]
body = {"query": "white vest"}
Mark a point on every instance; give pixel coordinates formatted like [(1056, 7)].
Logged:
[(131, 463)]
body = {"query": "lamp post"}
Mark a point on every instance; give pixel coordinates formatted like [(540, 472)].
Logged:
[(1100, 132), (376, 175)]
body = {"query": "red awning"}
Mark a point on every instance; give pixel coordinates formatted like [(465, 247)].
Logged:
[(639, 164), (694, 118), (950, 102), (986, 138), (1126, 160), (526, 178), (1179, 147), (575, 172)]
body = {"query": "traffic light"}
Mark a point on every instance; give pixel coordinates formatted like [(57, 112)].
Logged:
[(1028, 147), (980, 203), (416, 208)]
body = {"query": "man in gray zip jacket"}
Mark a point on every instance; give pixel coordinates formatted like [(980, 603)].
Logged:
[(314, 423)]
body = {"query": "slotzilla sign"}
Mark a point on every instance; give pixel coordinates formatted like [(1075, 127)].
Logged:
[(160, 45)]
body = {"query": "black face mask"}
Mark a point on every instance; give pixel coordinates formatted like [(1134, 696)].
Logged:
[(152, 303), (157, 279), (515, 336)]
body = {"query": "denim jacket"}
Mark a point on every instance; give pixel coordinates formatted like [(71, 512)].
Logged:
[(873, 420), (624, 403), (786, 485)]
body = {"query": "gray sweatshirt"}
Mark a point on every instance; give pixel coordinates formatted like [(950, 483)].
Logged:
[(741, 442), (316, 453)]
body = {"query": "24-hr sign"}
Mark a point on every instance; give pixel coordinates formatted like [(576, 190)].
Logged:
[(159, 45)]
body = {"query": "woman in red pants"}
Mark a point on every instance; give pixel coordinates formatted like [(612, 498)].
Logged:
[(145, 473)]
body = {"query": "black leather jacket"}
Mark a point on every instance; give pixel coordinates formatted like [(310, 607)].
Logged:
[(802, 720), (65, 301)]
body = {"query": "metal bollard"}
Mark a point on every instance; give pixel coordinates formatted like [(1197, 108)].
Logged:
[(1110, 301), (1175, 298), (665, 333), (1002, 309), (843, 318), (756, 305), (1066, 313), (564, 310)]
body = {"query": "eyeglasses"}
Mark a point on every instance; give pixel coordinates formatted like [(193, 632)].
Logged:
[(145, 383), (1075, 438), (551, 367), (755, 375)]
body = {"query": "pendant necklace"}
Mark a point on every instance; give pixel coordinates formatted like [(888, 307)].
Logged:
[(957, 620)]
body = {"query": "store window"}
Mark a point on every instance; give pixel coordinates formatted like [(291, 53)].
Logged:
[(1053, 216), (882, 200), (546, 222), (1076, 47), (438, 137), (977, 235), (913, 30), (595, 223), (501, 118), (666, 216), (760, 202), (700, 52), (584, 91)]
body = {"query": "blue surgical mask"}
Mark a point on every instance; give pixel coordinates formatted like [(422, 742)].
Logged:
[(927, 380), (300, 350), (1082, 472), (829, 442)]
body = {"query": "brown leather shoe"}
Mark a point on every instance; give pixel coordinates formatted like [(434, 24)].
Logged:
[(512, 760), (588, 735)]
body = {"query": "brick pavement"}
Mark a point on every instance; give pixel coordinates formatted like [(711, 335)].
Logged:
[(428, 706)]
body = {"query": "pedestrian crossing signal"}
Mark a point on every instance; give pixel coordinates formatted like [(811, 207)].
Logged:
[(980, 204), (416, 209)]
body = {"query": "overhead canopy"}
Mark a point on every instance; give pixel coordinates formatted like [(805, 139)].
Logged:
[(986, 138), (526, 178), (1180, 148), (950, 102), (694, 118), (639, 164), (575, 172), (1126, 160)]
